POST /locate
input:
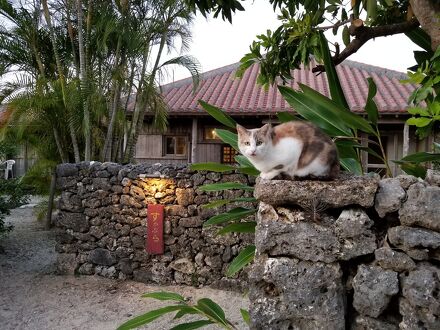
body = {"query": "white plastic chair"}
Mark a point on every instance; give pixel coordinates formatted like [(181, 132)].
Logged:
[(9, 164)]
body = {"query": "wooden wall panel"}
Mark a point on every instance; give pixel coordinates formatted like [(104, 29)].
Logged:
[(149, 146), (208, 152)]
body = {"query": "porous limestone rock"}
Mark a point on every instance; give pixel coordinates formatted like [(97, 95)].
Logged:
[(286, 232), (389, 196), (292, 294), (387, 258), (418, 243), (373, 289), (422, 207), (362, 322), (344, 191)]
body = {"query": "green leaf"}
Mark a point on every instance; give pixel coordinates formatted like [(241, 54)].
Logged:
[(164, 295), (418, 111), (212, 166), (372, 9), (243, 161), (420, 38), (212, 310), (332, 77), (216, 203), (312, 111), (234, 214), (285, 117), (351, 165), (420, 157), (147, 317), (218, 114), (192, 325), (249, 170), (222, 202), (241, 227), (419, 121), (228, 137), (345, 35), (244, 258), (371, 107), (225, 186), (346, 118), (185, 309), (245, 315), (413, 169)]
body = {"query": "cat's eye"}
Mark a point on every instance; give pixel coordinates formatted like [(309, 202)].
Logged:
[(259, 143), (247, 143)]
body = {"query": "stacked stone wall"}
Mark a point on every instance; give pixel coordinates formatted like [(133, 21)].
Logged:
[(354, 253), (102, 215)]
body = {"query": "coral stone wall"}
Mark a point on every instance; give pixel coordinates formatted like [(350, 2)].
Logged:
[(354, 253), (102, 223)]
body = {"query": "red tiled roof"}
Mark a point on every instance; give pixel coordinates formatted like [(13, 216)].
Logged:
[(243, 96)]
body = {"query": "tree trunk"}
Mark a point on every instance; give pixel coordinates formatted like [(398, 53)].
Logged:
[(427, 13), (59, 146), (61, 77), (108, 143), (84, 83), (135, 115), (132, 140)]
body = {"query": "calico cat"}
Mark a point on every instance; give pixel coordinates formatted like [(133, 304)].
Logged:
[(295, 149)]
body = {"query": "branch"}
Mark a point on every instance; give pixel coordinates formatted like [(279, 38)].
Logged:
[(363, 33)]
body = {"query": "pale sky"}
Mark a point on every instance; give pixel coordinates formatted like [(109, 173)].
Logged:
[(217, 43)]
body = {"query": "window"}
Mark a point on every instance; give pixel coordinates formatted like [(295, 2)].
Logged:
[(209, 134), (175, 145), (228, 154)]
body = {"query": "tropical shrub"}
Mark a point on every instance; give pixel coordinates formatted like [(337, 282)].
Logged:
[(12, 194)]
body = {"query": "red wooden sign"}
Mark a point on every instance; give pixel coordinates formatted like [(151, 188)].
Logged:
[(155, 229)]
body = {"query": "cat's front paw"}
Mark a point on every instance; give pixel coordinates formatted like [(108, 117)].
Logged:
[(267, 176)]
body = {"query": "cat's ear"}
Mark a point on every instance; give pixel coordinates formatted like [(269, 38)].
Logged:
[(266, 130), (241, 129)]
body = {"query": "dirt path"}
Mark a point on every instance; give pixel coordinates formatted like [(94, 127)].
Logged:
[(33, 297)]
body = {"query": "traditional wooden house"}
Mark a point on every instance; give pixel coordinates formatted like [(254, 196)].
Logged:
[(190, 137)]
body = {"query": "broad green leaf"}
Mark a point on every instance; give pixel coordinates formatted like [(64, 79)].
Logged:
[(218, 114), (224, 186), (418, 111), (243, 161), (192, 325), (244, 258), (228, 137), (419, 121), (420, 38), (371, 107), (164, 295), (351, 165), (245, 315), (372, 9), (332, 77), (222, 202), (347, 118), (185, 309), (216, 203), (241, 227), (249, 170), (413, 169), (148, 317), (345, 36), (285, 117), (213, 167), (420, 157), (232, 215), (314, 112), (212, 310)]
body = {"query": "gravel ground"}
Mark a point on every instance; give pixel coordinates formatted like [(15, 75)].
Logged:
[(33, 296)]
